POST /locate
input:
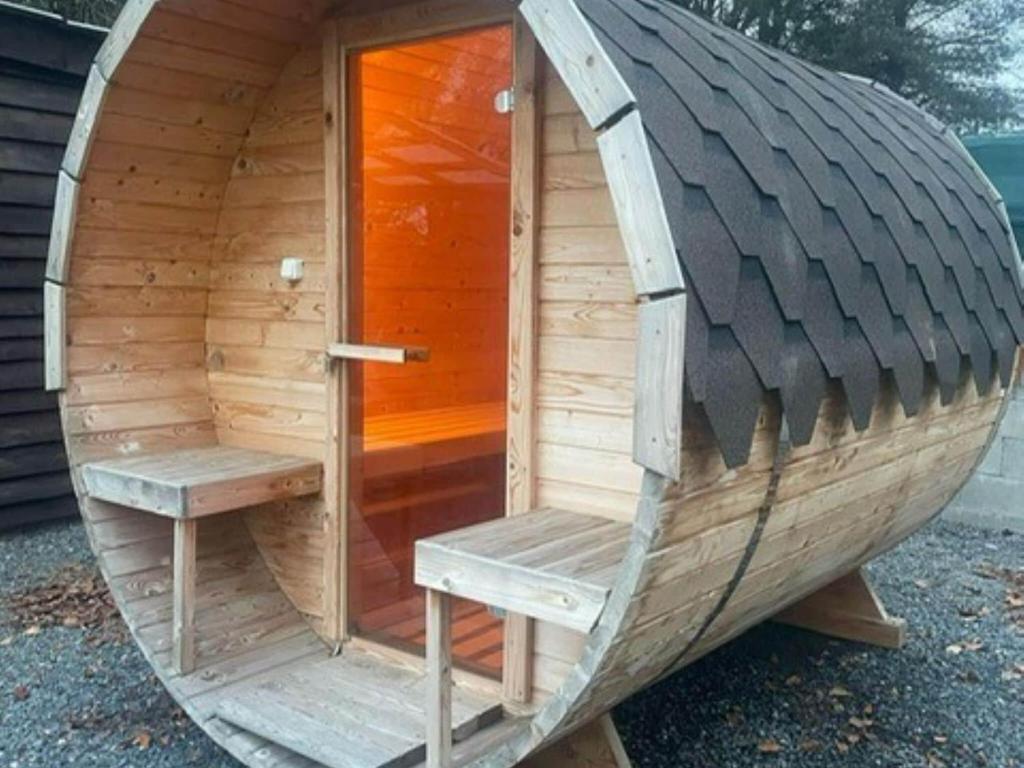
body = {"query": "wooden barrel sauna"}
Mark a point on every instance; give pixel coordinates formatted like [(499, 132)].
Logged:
[(567, 338)]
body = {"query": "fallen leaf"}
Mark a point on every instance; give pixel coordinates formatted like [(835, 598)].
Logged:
[(935, 761), (1016, 672), (810, 745), (965, 645), (142, 739), (794, 680), (6, 641), (922, 583), (839, 692), (843, 747), (21, 692), (769, 747), (33, 630)]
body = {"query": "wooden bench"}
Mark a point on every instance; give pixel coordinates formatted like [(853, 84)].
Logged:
[(190, 484), (416, 440), (549, 565)]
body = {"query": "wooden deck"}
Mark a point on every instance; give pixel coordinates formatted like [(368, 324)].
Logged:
[(354, 711)]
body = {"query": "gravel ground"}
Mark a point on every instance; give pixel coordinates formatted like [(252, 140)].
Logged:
[(83, 696)]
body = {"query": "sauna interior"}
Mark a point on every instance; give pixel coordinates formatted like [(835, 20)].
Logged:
[(352, 299)]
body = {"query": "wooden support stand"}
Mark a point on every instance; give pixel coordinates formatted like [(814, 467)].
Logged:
[(849, 609), (439, 680), (183, 627), (595, 745)]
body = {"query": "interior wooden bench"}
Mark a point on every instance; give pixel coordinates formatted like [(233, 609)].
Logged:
[(550, 565), (408, 442), (191, 484)]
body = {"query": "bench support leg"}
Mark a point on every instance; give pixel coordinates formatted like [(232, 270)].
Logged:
[(183, 629), (439, 679), (595, 745), (849, 609)]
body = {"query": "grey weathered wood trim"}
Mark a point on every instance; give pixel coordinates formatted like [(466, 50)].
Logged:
[(65, 210), (658, 412), (608, 104), (639, 206), (54, 337), (568, 602), (572, 47), (124, 32), (86, 124)]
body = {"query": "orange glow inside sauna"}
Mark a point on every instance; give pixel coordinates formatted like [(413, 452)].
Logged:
[(428, 269)]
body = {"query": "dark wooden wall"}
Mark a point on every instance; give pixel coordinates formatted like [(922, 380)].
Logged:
[(43, 65)]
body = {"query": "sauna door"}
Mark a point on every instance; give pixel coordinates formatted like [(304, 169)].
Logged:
[(429, 185)]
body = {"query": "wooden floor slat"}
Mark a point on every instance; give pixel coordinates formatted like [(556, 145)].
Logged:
[(355, 711)]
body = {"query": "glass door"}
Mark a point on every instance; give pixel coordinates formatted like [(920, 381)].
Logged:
[(429, 176)]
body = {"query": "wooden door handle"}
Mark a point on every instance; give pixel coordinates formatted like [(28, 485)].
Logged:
[(376, 353)]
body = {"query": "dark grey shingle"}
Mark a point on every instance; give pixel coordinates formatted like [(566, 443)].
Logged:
[(827, 230)]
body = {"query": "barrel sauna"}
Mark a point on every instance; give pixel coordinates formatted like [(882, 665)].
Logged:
[(435, 375)]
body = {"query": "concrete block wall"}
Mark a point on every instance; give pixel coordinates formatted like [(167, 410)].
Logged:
[(994, 497)]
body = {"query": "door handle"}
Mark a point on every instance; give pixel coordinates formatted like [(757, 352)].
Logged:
[(378, 353)]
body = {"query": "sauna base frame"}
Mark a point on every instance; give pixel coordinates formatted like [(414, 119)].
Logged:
[(848, 609), (595, 745)]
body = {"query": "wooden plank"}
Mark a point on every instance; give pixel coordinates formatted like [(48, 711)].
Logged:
[(122, 35), (439, 679), (183, 630), (551, 565), (65, 210), (38, 39), (353, 710), (517, 649), (55, 340), (574, 50), (595, 745), (849, 609), (335, 566), (421, 19), (30, 125), (658, 418), (640, 209), (200, 482), (20, 89), (86, 126)]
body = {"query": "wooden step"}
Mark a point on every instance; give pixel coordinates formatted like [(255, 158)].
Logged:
[(354, 711)]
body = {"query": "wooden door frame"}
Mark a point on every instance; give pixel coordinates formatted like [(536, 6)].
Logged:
[(341, 36)]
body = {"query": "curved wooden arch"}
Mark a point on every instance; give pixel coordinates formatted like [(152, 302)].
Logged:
[(713, 550)]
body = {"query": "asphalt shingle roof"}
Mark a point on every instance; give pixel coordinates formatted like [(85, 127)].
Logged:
[(826, 228)]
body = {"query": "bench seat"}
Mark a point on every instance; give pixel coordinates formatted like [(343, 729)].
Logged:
[(201, 481), (548, 564), (187, 485)]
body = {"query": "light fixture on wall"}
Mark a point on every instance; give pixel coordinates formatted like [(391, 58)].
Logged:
[(292, 269)]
